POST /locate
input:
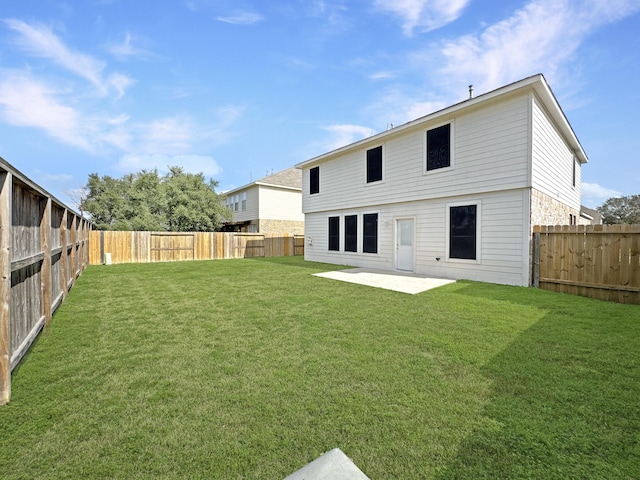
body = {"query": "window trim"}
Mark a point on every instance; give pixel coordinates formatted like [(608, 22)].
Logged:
[(382, 164), (478, 205), (315, 184), (377, 214), (451, 124)]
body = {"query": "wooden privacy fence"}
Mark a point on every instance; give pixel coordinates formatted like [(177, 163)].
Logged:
[(43, 249), (598, 261), (146, 247)]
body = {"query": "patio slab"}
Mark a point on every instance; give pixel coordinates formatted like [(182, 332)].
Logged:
[(397, 281)]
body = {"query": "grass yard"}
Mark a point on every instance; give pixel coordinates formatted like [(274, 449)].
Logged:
[(249, 369)]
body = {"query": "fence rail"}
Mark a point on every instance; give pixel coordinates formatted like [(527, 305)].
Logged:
[(598, 261), (43, 249), (147, 247)]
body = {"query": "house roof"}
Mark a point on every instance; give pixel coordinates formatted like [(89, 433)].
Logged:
[(290, 179), (537, 83)]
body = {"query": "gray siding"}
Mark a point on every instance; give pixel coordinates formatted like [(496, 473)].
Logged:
[(251, 213), (503, 229), (490, 152), (552, 160)]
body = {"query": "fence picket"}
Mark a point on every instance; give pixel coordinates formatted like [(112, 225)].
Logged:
[(599, 261), (146, 247)]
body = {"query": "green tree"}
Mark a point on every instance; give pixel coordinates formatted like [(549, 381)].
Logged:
[(191, 203), (621, 210), (178, 201)]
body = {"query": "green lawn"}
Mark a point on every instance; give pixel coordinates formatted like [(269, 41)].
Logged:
[(252, 368)]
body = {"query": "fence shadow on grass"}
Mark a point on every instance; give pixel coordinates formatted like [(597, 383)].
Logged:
[(563, 403)]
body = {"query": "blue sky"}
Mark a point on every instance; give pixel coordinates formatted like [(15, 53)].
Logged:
[(236, 89)]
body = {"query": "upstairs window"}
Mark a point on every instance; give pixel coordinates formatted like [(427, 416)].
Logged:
[(573, 173), (439, 147), (374, 164), (236, 199), (351, 233), (244, 200), (370, 233), (334, 233), (314, 180)]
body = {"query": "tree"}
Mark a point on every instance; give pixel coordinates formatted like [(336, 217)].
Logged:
[(621, 210), (177, 202)]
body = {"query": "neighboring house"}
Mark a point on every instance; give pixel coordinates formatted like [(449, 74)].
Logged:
[(589, 216), (272, 204), (453, 194)]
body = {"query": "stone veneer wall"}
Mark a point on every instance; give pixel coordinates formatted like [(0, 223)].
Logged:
[(281, 226), (549, 211)]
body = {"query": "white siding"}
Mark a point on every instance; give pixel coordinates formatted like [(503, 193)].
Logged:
[(552, 160), (490, 151), (251, 213), (280, 204), (504, 253)]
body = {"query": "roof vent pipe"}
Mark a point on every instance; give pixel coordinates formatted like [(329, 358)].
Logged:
[(470, 91)]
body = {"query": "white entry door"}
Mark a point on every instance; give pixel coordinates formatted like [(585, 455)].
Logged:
[(404, 244)]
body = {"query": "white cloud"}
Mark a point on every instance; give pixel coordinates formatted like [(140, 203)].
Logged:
[(204, 164), (180, 134), (172, 135), (28, 102), (241, 18), (381, 76), (342, 135), (39, 41), (594, 194), (423, 15), (125, 50), (120, 83), (397, 107), (332, 13), (542, 37), (119, 120)]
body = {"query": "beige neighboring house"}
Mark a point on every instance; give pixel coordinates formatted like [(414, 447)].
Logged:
[(272, 204)]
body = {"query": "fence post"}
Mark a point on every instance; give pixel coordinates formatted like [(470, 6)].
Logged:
[(6, 182), (45, 270), (64, 266), (536, 259)]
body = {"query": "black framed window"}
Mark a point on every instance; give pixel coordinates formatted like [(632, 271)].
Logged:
[(573, 174), (370, 233), (439, 147), (463, 232), (351, 233), (314, 180), (374, 164), (334, 233)]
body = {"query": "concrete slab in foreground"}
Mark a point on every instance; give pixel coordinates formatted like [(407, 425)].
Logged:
[(333, 465)]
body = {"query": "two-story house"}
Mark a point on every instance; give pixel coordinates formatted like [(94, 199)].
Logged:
[(452, 194), (272, 204)]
